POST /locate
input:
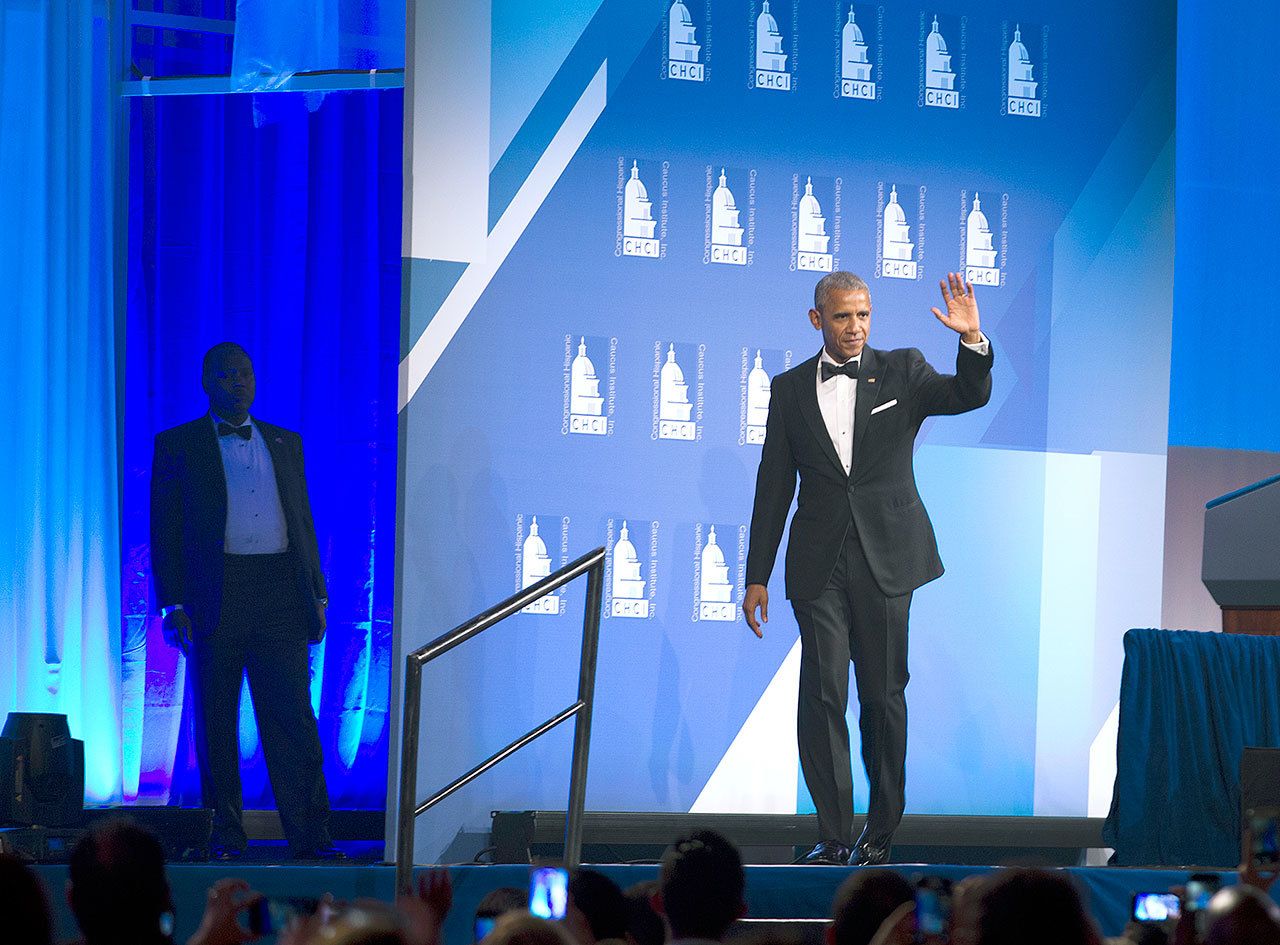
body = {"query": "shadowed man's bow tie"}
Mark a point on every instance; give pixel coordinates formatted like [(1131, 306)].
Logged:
[(244, 432), (848, 369)]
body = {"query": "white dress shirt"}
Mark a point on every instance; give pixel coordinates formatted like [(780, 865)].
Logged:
[(255, 517), (837, 397)]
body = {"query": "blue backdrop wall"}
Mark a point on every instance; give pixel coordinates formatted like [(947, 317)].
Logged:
[(1223, 385), (645, 235)]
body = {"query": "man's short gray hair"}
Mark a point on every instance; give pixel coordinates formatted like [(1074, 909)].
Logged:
[(837, 282)]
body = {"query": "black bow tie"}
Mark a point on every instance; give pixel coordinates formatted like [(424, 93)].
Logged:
[(848, 369), (244, 432)]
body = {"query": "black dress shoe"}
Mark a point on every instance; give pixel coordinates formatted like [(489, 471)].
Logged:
[(325, 854), (221, 854), (826, 853), (867, 853)]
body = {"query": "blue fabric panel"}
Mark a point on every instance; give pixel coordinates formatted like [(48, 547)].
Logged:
[(1189, 704), (274, 40), (1224, 384)]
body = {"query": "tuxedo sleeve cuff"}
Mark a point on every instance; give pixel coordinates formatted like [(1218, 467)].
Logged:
[(982, 347)]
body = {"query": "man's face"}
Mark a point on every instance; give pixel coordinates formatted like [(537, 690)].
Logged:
[(845, 322), (230, 386)]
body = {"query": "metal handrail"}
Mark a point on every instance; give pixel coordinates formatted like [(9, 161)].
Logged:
[(592, 565)]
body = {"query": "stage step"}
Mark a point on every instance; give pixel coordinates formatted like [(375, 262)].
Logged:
[(367, 825), (609, 836)]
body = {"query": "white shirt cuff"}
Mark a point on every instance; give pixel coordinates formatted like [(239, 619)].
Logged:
[(166, 611), (981, 347)]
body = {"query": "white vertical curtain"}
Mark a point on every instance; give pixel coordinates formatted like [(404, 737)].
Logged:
[(59, 500)]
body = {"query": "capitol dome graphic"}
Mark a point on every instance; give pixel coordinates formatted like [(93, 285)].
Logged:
[(758, 391), (674, 409), (897, 248), (683, 49), (726, 232), (980, 254), (638, 223), (638, 207), (535, 564), (939, 77), (715, 590), (628, 585), (855, 66), (771, 61), (1022, 85), (586, 405), (812, 239)]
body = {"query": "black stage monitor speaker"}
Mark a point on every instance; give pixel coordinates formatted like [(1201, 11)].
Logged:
[(41, 771), (1259, 778), (184, 832)]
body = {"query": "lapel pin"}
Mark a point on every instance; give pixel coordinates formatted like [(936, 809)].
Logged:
[(278, 440), (871, 380)]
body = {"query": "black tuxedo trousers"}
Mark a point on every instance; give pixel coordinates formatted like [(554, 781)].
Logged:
[(853, 622), (262, 632)]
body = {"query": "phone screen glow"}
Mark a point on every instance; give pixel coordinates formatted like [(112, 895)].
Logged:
[(549, 892), (1156, 907)]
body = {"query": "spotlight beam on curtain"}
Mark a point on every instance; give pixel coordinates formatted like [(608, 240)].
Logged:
[(59, 528)]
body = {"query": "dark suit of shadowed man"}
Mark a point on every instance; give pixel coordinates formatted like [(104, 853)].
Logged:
[(861, 542), (238, 583)]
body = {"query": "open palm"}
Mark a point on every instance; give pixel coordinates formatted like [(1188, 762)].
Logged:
[(962, 308)]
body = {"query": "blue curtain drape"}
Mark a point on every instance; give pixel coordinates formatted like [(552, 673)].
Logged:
[(1189, 704), (285, 238), (59, 555)]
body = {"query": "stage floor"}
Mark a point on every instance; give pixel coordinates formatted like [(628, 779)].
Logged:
[(777, 892)]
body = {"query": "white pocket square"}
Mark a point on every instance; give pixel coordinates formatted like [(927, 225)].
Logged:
[(885, 406)]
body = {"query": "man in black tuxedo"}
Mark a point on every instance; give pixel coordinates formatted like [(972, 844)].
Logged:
[(239, 588), (861, 542)]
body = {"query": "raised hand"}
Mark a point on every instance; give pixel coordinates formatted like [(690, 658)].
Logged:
[(961, 315), (425, 908), (223, 903)]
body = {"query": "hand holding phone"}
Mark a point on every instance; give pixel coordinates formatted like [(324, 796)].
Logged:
[(1199, 890), (224, 903), (269, 916), (1262, 833), (933, 909)]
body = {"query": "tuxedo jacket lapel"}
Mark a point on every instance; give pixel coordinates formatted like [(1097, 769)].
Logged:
[(211, 480), (870, 384), (279, 460), (807, 399), (286, 481)]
